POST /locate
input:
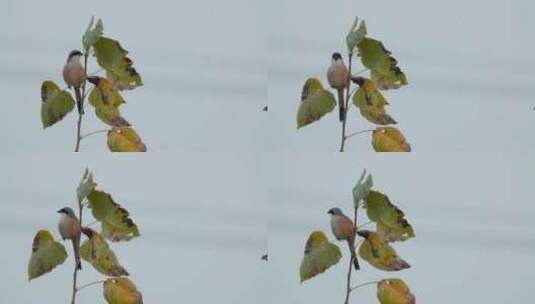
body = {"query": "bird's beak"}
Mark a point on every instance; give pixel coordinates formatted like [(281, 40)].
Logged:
[(59, 211)]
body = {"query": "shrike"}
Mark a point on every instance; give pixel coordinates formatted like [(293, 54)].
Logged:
[(343, 229), (338, 77), (69, 228), (74, 73)]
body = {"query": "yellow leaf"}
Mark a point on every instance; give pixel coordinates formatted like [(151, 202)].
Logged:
[(394, 291), (389, 139), (124, 139), (371, 102), (106, 101), (96, 251), (376, 251), (121, 291)]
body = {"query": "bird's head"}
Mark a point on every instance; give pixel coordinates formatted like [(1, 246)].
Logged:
[(74, 53), (335, 211), (336, 56), (67, 211)]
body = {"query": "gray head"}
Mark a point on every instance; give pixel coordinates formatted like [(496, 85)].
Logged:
[(336, 56), (66, 210), (74, 53), (335, 211)]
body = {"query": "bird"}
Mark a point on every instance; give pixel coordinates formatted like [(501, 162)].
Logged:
[(339, 78), (265, 257), (74, 75), (69, 228), (343, 229)]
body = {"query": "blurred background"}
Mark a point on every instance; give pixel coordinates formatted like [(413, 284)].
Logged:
[(201, 218), (469, 65), (472, 215)]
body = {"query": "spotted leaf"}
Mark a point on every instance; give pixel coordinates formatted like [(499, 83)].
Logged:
[(121, 291), (98, 253), (55, 103), (394, 291), (376, 251), (125, 140), (315, 103), (116, 222), (389, 139), (119, 68), (46, 254), (320, 255), (384, 68), (371, 102), (106, 101), (390, 220)]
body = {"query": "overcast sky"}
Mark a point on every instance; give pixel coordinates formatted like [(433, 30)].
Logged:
[(228, 173)]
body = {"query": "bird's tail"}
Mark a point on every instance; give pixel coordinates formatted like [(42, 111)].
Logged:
[(353, 254), (79, 101), (76, 249), (341, 104)]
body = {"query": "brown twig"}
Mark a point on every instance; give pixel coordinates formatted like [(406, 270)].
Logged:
[(346, 104), (75, 275), (80, 103)]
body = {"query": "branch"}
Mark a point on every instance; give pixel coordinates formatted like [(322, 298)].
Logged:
[(80, 102), (75, 275), (359, 132), (363, 284), (90, 284), (346, 103), (92, 133)]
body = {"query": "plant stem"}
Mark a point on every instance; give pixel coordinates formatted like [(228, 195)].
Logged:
[(78, 131), (80, 103), (75, 275), (348, 284), (90, 284), (364, 284), (94, 132), (346, 104), (359, 132)]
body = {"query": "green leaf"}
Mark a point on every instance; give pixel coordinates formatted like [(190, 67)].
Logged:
[(125, 140), (389, 139), (394, 291), (385, 72), (116, 222), (371, 103), (320, 255), (106, 101), (389, 81), (96, 251), (362, 188), (315, 102), (91, 34), (356, 34), (46, 254), (391, 222), (55, 103), (376, 251), (119, 71), (86, 186)]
